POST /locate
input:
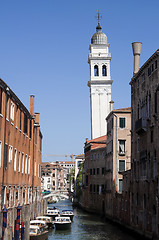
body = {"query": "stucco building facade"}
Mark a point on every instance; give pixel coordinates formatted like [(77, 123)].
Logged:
[(145, 149)]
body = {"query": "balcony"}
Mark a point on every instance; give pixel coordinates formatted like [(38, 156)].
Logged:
[(140, 126)]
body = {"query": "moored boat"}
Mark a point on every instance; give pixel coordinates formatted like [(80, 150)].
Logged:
[(52, 212), (47, 220), (38, 233), (62, 223), (67, 213), (39, 223)]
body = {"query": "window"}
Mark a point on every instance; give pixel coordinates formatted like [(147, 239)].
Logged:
[(104, 70), (26, 164), (121, 146), (12, 111), (1, 91), (97, 171), (90, 188), (35, 168), (39, 170), (102, 171), (120, 185), (30, 129), (20, 122), (25, 124), (22, 162), (0, 153), (19, 162), (121, 165), (97, 188), (122, 122), (155, 64), (151, 136), (15, 159), (94, 171), (90, 171), (143, 76), (96, 72), (86, 180), (10, 153), (156, 102), (149, 71), (29, 165)]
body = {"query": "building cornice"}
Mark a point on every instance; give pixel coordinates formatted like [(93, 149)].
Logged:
[(100, 82), (155, 55), (6, 88)]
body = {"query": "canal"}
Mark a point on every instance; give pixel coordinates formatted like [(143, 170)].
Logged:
[(87, 227)]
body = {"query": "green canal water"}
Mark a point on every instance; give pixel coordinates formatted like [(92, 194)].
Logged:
[(87, 227)]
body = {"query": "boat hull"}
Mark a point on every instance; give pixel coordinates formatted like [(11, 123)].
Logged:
[(41, 236), (52, 215), (67, 215), (62, 226)]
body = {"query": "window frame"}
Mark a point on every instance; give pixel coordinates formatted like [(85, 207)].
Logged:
[(15, 160), (96, 70), (121, 160), (122, 124), (10, 154), (120, 180), (104, 68)]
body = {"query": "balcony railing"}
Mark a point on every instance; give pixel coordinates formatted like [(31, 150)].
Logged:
[(140, 126)]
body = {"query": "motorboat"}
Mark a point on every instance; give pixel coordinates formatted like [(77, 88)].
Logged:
[(47, 220), (62, 223), (39, 223), (52, 212), (38, 233), (67, 213)]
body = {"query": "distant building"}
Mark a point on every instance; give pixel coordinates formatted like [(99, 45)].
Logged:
[(54, 177), (93, 197), (79, 160), (70, 167), (145, 148)]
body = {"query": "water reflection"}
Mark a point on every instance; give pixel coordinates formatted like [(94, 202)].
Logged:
[(87, 227)]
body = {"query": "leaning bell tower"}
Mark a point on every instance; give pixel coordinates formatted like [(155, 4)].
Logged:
[(100, 81)]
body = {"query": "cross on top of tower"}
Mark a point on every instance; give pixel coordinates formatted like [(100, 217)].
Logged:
[(99, 17)]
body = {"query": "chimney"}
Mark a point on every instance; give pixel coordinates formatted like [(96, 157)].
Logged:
[(136, 46), (36, 118), (111, 105), (32, 104)]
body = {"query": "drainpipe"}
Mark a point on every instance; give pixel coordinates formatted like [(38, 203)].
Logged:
[(116, 147), (4, 152), (35, 125)]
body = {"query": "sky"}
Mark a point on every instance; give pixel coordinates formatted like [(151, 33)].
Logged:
[(44, 47)]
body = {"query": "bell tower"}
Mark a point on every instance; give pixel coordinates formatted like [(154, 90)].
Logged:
[(100, 81)]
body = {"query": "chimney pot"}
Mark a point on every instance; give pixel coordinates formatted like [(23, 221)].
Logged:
[(136, 46)]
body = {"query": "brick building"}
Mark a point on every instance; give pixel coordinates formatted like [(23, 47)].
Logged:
[(20, 151)]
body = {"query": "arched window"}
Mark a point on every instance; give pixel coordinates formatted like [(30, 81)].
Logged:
[(96, 72), (104, 70)]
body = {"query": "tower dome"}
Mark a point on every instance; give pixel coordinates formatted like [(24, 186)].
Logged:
[(99, 37)]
